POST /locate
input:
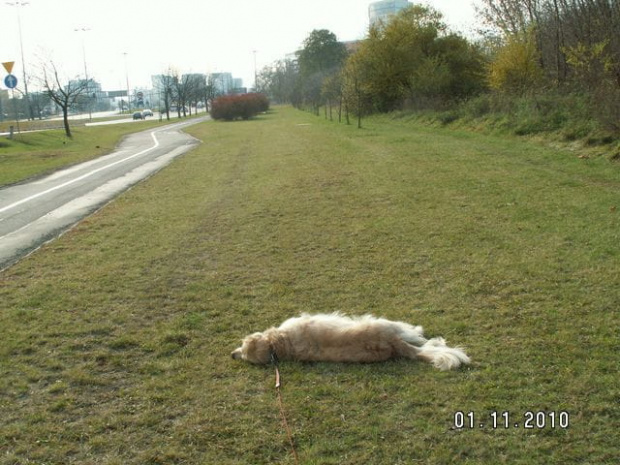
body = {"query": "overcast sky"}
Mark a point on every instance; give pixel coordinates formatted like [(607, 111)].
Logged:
[(133, 39)]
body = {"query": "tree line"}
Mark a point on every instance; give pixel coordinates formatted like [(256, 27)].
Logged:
[(174, 93), (561, 46), (181, 93), (413, 61)]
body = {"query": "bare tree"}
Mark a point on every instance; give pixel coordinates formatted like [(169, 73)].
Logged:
[(63, 95), (197, 90), (278, 80), (165, 88), (181, 93), (210, 91), (510, 16)]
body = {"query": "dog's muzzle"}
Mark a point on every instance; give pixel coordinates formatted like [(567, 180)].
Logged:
[(236, 354)]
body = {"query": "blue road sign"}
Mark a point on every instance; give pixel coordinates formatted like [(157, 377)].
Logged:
[(10, 81)]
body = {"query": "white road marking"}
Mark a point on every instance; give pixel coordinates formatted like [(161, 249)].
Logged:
[(79, 178), (46, 228)]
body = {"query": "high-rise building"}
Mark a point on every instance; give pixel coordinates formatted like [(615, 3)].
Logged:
[(381, 11), (221, 82)]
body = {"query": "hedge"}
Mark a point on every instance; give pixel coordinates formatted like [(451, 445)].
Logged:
[(242, 106)]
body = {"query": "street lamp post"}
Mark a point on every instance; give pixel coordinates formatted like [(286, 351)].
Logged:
[(88, 87), (127, 82), (255, 73), (18, 4)]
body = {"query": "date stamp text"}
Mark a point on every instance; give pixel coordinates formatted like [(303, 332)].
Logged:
[(529, 420)]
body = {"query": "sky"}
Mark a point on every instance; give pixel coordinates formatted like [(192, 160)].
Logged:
[(127, 41)]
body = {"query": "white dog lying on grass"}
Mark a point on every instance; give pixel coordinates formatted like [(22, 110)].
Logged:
[(338, 338)]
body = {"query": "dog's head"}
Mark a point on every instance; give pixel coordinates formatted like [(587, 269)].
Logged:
[(255, 348)]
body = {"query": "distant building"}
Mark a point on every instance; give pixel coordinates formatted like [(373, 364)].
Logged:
[(221, 82), (383, 10), (92, 98), (91, 87)]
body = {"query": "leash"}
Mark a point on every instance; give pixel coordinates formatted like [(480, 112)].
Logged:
[(274, 362)]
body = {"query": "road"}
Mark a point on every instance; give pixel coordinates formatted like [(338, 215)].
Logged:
[(36, 212)]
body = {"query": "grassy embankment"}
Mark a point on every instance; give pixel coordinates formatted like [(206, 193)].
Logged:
[(569, 121), (116, 337)]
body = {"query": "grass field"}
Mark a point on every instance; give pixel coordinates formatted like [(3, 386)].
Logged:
[(116, 337)]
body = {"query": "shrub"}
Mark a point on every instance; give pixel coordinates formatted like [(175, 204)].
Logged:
[(605, 106), (243, 106), (516, 69)]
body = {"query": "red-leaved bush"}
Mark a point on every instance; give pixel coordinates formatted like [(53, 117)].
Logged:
[(242, 106)]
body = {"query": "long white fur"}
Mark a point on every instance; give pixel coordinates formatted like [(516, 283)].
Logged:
[(433, 350), (443, 357)]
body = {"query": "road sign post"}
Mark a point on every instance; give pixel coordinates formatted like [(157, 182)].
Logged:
[(10, 81)]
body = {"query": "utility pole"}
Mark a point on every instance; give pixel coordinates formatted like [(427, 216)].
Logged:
[(255, 73), (88, 86), (18, 4), (127, 81)]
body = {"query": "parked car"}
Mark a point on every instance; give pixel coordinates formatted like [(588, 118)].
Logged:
[(147, 112), (138, 115)]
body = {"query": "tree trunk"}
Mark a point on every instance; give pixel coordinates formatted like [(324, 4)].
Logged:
[(340, 110), (65, 119)]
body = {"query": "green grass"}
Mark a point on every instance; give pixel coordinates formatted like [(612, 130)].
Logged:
[(116, 337), (33, 154)]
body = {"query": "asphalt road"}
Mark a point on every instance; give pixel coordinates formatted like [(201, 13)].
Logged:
[(36, 212)]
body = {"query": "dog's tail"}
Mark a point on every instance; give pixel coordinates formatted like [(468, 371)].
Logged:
[(441, 356)]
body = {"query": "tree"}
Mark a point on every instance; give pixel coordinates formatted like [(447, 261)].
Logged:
[(463, 66), (38, 101), (321, 53), (577, 48), (321, 56), (566, 32), (331, 92), (197, 90), (515, 68), (278, 80), (166, 84), (210, 91), (181, 93), (356, 88), (411, 60), (63, 95), (512, 17)]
